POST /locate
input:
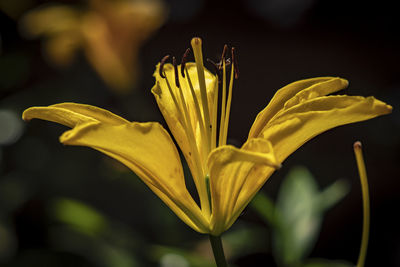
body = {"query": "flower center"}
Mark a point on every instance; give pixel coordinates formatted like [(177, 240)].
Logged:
[(205, 104), (194, 92), (225, 100)]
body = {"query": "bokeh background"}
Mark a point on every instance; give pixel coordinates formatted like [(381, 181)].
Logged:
[(72, 206)]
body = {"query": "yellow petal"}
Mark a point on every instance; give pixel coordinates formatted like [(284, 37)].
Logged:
[(293, 127), (146, 148), (109, 32), (293, 94), (114, 32), (173, 114), (60, 25), (102, 55), (50, 20), (235, 177), (72, 114), (62, 47)]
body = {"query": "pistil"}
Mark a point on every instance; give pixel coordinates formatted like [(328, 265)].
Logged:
[(198, 57)]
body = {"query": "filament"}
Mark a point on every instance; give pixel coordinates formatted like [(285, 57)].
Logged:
[(228, 105), (223, 104)]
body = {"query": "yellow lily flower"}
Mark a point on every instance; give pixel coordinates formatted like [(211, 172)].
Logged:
[(110, 33), (226, 177)]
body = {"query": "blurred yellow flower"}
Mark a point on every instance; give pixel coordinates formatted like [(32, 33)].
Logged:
[(110, 33), (226, 177)]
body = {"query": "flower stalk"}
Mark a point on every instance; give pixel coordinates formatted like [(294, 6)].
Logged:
[(218, 250), (366, 209)]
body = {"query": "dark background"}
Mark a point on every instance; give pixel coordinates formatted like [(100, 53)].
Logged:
[(278, 42)]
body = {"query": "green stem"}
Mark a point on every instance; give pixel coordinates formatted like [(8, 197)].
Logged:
[(366, 209), (218, 250)]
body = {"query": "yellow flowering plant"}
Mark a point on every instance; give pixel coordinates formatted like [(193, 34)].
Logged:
[(109, 32), (226, 177)]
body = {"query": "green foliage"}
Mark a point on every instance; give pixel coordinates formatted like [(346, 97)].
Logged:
[(244, 239), (87, 232), (297, 217), (265, 207), (80, 216), (173, 257)]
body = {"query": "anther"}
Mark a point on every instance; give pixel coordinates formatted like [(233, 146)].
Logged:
[(183, 61), (235, 63), (162, 63), (223, 55), (176, 72), (218, 66)]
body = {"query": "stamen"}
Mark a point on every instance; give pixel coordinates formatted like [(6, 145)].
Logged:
[(223, 105), (176, 72), (183, 62), (235, 63), (162, 63), (215, 114), (223, 55), (222, 64), (228, 103)]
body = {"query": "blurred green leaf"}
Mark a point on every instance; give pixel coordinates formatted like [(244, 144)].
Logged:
[(95, 249), (80, 216), (265, 208), (159, 253), (299, 219), (242, 240), (116, 256), (332, 194), (87, 232), (299, 212)]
